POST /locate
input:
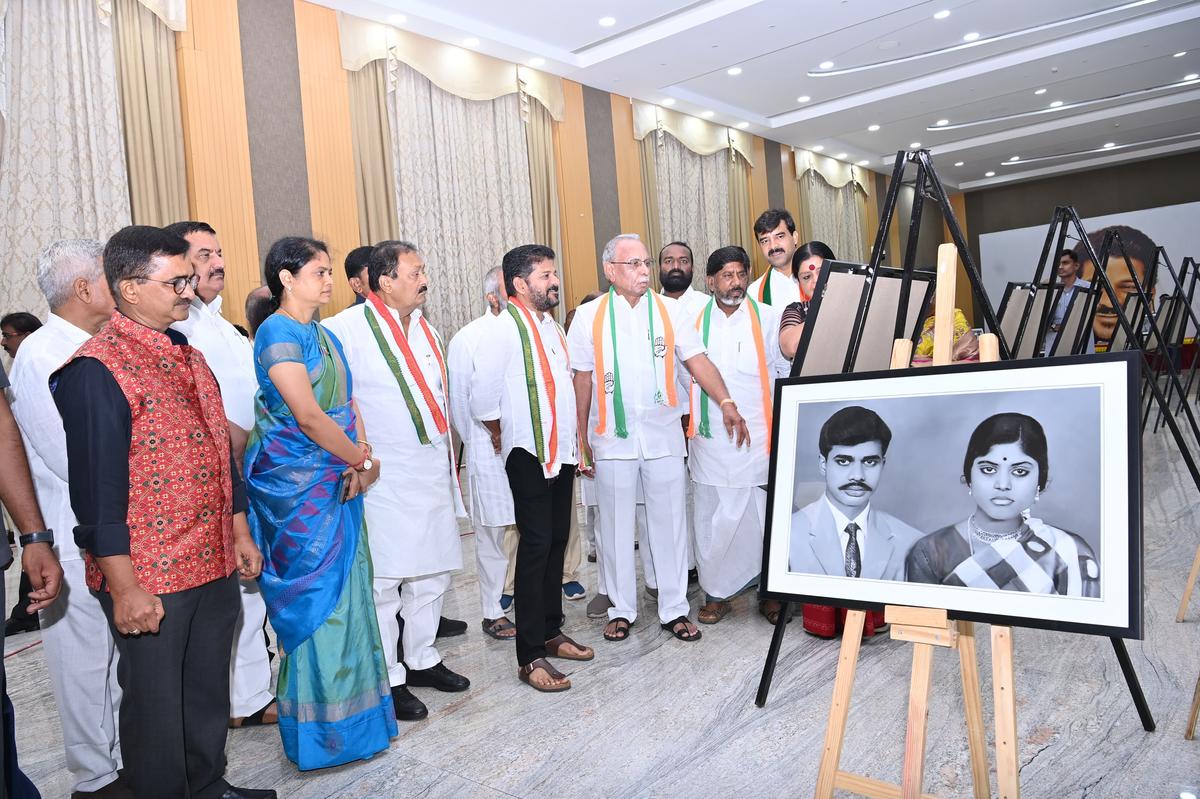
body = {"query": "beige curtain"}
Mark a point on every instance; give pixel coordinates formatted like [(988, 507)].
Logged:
[(543, 184), (462, 188), (836, 216), (741, 216), (654, 236), (693, 199), (63, 156), (149, 84), (374, 170)]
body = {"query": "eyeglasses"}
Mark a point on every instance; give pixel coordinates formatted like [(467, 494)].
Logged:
[(636, 263), (180, 284)]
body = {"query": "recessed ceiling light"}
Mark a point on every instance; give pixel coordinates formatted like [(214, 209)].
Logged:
[(818, 148), (872, 128), (989, 174), (958, 163), (941, 14), (668, 101), (970, 37), (400, 19), (1015, 158), (1180, 54), (1040, 91), (707, 114), (841, 156), (804, 98), (743, 125), (471, 42), (1056, 104), (1191, 76), (942, 122), (863, 162), (825, 65), (735, 71), (607, 22), (915, 145), (1109, 144), (537, 62)]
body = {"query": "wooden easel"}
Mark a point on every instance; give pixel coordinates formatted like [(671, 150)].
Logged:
[(927, 628)]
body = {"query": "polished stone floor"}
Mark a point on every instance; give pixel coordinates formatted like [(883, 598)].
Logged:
[(653, 717)]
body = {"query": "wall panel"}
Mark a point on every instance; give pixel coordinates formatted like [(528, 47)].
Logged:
[(628, 156), (578, 257), (759, 199)]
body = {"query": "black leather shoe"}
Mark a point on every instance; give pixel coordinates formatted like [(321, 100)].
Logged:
[(438, 677), (247, 793), (408, 707), (19, 625), (693, 576), (448, 628)]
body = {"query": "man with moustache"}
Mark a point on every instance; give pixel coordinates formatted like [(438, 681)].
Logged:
[(231, 357), (412, 511), (523, 394), (742, 339), (775, 232), (840, 533), (675, 265), (1141, 251), (626, 349), (1069, 283)]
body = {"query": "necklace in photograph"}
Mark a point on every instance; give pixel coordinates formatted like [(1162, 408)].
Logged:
[(989, 537)]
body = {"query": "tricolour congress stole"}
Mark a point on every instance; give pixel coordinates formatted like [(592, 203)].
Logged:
[(662, 353), (699, 397), (540, 385), (764, 288), (428, 413)]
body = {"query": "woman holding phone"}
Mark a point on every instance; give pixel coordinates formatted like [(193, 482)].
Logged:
[(307, 465)]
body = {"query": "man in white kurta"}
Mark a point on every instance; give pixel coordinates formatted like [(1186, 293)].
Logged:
[(231, 358), (640, 436), (775, 232), (411, 512), (491, 503), (80, 656), (743, 342)]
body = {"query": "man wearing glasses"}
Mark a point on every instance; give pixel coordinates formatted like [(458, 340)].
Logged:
[(627, 349), (161, 508)]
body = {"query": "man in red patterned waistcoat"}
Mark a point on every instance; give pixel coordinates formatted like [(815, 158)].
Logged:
[(161, 510)]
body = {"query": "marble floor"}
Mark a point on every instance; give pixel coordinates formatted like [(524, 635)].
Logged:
[(653, 717)]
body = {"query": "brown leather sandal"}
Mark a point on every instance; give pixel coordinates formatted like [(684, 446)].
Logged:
[(554, 648), (713, 612), (525, 674)]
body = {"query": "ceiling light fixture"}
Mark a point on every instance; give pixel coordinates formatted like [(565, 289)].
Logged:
[(915, 145), (1068, 22), (872, 128), (1109, 145), (743, 125), (400, 19), (1180, 54), (841, 156), (863, 162), (941, 123), (958, 163), (1040, 91), (1191, 76), (825, 65), (941, 14), (818, 148), (668, 101), (607, 22), (537, 62), (989, 174), (470, 42), (804, 98), (734, 71), (1015, 158), (971, 37), (1056, 104), (707, 114)]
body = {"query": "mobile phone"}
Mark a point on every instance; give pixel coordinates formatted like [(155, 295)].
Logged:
[(343, 487)]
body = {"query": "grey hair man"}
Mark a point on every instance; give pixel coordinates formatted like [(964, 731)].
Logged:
[(80, 655), (489, 498)]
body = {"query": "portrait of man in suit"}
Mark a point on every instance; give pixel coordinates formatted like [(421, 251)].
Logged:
[(840, 533)]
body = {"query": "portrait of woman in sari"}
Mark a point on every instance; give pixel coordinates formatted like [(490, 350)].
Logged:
[(1002, 545), (306, 467)]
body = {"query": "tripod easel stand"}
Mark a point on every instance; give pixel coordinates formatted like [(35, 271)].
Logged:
[(927, 628)]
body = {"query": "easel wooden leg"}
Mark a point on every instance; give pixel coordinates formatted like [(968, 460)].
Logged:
[(973, 705), (1190, 733), (1191, 586), (918, 716), (764, 684), (1003, 684), (839, 707)]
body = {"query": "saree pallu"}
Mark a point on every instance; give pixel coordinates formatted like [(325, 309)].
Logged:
[(333, 693)]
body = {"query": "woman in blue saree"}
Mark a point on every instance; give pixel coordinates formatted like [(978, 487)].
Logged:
[(305, 471)]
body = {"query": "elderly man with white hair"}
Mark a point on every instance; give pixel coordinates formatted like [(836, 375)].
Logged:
[(627, 348), (80, 655), (490, 499)]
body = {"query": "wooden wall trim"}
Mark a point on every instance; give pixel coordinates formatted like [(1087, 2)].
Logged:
[(759, 198), (628, 154), (578, 257)]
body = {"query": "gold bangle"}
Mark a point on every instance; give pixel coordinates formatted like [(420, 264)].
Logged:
[(367, 445), (729, 400)]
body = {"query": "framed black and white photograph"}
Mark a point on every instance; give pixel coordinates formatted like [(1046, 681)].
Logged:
[(1005, 492)]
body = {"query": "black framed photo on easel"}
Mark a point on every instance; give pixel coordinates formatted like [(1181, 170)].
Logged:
[(1006, 492)]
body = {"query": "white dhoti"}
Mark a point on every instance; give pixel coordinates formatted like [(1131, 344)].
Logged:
[(665, 480), (588, 496), (492, 560), (250, 665), (729, 532), (491, 508), (82, 661)]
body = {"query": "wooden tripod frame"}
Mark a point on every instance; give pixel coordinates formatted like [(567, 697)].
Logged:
[(927, 628)]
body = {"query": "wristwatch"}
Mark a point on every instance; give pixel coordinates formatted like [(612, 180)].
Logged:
[(367, 465)]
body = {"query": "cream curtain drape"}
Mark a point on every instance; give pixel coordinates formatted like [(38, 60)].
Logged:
[(654, 235), (741, 216), (543, 184), (61, 78), (149, 84), (693, 198), (462, 188), (836, 216), (374, 170)]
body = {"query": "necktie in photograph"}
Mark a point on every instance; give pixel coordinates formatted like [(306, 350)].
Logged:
[(853, 558)]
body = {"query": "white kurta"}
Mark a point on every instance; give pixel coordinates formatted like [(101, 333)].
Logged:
[(693, 302), (729, 505), (228, 353), (412, 508), (784, 289), (490, 497)]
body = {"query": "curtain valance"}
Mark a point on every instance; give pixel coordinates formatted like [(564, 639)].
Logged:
[(698, 135), (836, 173)]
